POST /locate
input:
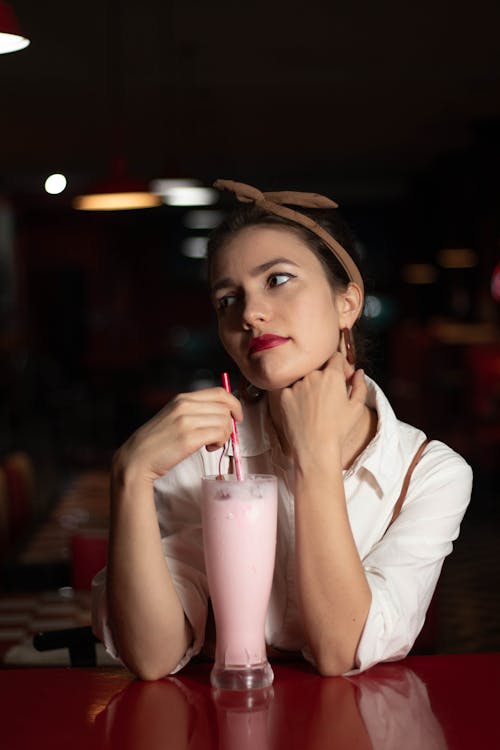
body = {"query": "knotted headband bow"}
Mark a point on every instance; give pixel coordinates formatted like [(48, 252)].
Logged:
[(273, 203)]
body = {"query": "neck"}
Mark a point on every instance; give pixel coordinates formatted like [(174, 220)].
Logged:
[(360, 436), (277, 420)]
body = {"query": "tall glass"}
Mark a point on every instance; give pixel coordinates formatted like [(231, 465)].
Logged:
[(239, 537)]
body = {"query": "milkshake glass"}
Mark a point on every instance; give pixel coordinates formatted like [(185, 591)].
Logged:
[(239, 538)]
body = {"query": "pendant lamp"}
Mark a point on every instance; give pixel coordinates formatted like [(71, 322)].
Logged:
[(118, 192), (11, 36)]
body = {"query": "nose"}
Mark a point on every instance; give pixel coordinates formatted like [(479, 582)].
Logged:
[(255, 310)]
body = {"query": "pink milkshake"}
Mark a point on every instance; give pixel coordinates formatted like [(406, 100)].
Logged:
[(239, 535)]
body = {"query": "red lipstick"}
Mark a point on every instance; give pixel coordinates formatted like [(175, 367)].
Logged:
[(266, 341)]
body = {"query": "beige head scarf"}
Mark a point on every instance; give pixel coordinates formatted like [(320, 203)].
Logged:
[(274, 204)]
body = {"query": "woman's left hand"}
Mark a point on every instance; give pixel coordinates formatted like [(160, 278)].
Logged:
[(320, 412)]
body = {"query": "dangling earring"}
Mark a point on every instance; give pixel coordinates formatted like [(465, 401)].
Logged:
[(349, 348)]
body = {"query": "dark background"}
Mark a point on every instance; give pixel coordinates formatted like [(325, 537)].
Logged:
[(391, 108)]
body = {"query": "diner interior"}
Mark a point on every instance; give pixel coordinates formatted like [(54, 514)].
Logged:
[(392, 110)]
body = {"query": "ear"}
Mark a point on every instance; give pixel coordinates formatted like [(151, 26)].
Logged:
[(349, 305)]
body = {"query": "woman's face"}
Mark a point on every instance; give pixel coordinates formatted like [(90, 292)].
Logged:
[(279, 318)]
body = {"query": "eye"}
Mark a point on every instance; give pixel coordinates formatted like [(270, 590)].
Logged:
[(278, 279), (224, 302)]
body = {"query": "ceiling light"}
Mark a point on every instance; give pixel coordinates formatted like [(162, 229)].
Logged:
[(195, 247), (115, 201), (419, 273), (184, 193), (55, 184), (203, 219), (373, 306), (191, 196), (11, 37), (118, 193), (460, 257), (163, 187)]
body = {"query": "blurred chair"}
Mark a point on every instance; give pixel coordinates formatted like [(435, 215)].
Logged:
[(484, 364), (4, 516), (89, 549), (80, 642), (20, 480), (88, 556)]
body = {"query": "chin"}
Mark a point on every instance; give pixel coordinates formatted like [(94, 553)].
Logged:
[(274, 381), (273, 372)]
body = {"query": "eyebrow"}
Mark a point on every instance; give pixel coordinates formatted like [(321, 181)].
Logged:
[(223, 283)]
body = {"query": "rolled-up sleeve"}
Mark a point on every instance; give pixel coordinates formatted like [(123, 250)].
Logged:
[(100, 620), (177, 498), (403, 568)]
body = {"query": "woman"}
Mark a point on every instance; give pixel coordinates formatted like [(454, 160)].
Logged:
[(353, 579)]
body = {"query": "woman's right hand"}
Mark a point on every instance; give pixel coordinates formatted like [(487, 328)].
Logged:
[(183, 426), (146, 616)]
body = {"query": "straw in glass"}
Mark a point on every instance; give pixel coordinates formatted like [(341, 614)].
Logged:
[(234, 434)]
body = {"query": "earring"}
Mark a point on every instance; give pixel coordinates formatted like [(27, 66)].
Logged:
[(349, 347)]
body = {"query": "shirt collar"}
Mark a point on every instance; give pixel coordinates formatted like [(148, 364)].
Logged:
[(381, 457), (254, 433)]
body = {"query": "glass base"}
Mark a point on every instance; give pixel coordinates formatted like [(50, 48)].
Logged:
[(254, 677)]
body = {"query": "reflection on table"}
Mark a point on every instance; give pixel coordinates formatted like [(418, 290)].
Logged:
[(438, 702), (363, 713)]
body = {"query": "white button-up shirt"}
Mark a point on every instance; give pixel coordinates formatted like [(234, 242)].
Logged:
[(402, 566)]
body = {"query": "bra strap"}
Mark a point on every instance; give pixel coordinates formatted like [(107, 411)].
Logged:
[(406, 481)]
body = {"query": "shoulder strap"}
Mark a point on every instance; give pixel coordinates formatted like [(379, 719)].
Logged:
[(406, 481)]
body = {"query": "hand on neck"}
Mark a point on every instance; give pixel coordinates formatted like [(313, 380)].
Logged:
[(358, 439)]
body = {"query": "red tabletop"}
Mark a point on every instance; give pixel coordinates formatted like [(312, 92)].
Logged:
[(425, 702)]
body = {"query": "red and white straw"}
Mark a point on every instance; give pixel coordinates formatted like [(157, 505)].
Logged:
[(234, 434)]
